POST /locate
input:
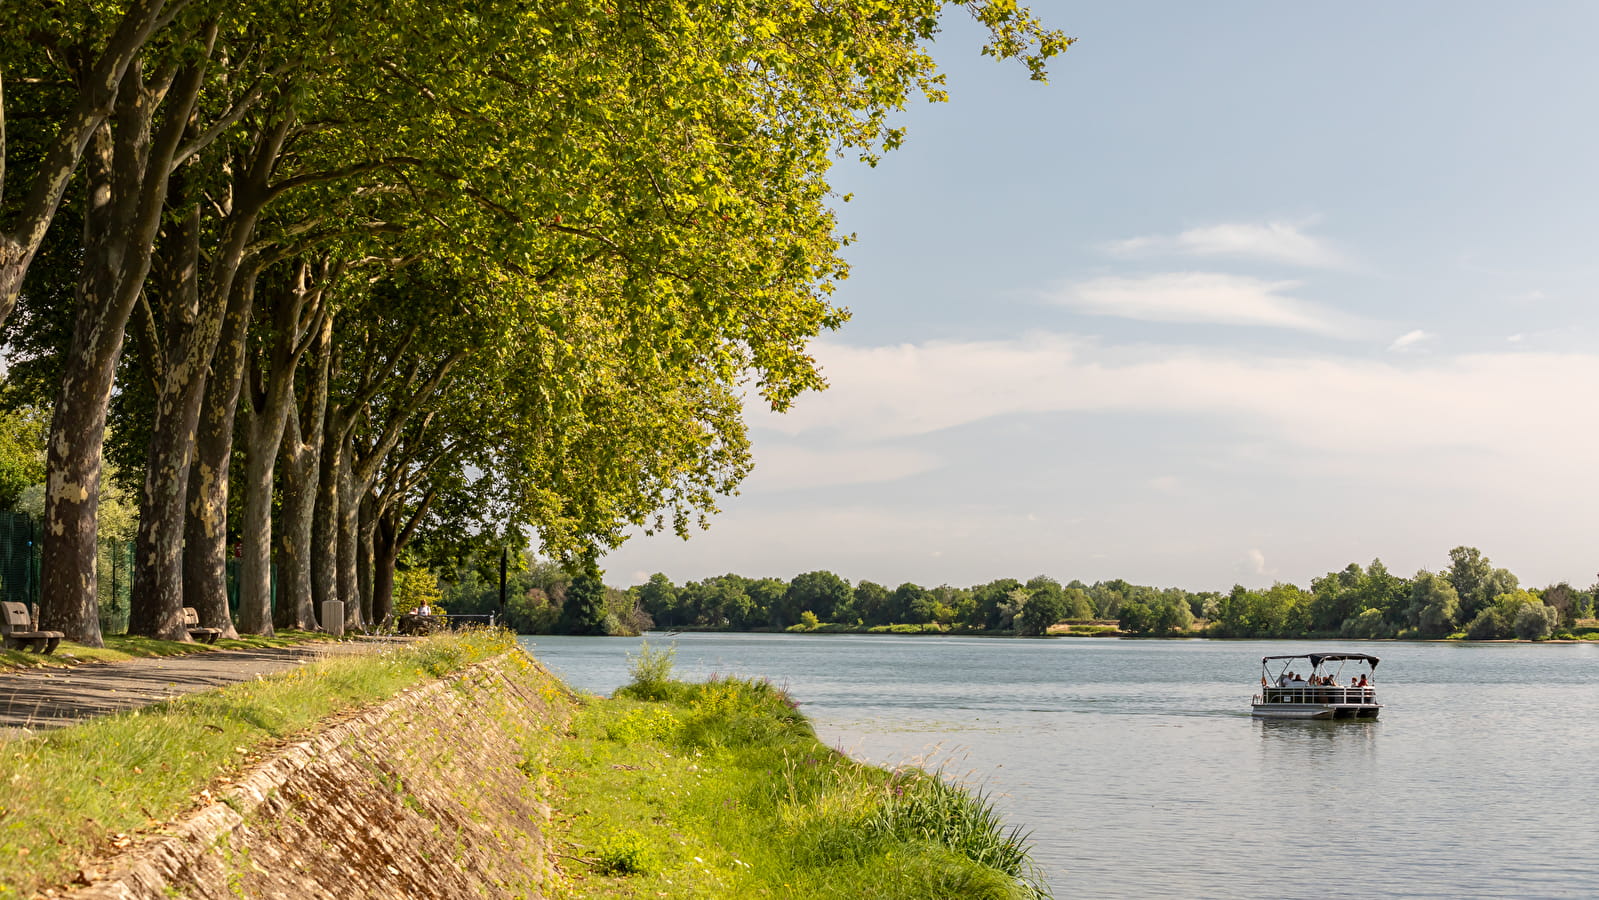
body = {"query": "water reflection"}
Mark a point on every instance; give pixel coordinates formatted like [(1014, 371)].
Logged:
[(1303, 730)]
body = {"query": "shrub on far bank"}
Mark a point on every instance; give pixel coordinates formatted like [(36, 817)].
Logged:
[(1535, 622)]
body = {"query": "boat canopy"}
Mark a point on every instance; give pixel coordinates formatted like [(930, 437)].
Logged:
[(1316, 659)]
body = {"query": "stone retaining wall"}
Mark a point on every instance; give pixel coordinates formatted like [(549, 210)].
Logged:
[(435, 794)]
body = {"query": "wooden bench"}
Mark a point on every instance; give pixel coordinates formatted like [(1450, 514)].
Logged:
[(16, 628), (191, 621)]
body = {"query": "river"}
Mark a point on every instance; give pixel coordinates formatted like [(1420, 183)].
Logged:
[(1139, 771)]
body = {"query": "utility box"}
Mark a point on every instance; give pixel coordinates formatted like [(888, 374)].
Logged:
[(333, 617)]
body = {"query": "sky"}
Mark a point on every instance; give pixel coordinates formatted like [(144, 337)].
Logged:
[(1250, 291)]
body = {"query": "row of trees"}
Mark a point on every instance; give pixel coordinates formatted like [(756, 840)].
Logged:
[(1031, 607), (465, 273), (1470, 597)]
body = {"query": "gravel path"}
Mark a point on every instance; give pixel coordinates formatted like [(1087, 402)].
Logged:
[(36, 699)]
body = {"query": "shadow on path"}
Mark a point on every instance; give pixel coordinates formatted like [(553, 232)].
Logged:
[(39, 699)]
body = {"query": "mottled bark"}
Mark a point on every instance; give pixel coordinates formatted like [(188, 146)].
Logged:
[(385, 553), (125, 178), (296, 608), (157, 609), (194, 312), (267, 407), (347, 523), (205, 543), (98, 85), (365, 525), (303, 439), (324, 549)]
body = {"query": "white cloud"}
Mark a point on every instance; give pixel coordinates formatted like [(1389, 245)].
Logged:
[(1339, 407), (781, 467), (1279, 242), (1206, 297), (1410, 339), (1254, 563)]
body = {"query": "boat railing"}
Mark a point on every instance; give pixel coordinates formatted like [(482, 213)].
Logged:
[(1311, 693)]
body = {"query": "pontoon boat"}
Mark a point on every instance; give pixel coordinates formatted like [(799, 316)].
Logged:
[(1322, 692)]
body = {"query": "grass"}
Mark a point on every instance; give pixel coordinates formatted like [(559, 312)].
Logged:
[(123, 647), (721, 790), (71, 795)]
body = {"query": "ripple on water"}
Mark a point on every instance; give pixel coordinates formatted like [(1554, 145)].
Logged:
[(1141, 774)]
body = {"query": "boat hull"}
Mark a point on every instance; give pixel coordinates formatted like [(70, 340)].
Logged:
[(1316, 710)]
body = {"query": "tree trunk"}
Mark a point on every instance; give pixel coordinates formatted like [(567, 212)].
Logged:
[(302, 454), (348, 524), (73, 461), (126, 179), (385, 553), (267, 409), (366, 524), (205, 546), (180, 386), (324, 549), (389, 538), (263, 435), (296, 606)]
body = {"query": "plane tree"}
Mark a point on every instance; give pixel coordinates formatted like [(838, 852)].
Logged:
[(656, 173)]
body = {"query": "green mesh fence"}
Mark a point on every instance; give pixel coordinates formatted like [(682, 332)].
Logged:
[(19, 570), (115, 572), (234, 566), (19, 558)]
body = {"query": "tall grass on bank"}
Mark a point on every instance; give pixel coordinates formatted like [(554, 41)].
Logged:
[(70, 795), (722, 790)]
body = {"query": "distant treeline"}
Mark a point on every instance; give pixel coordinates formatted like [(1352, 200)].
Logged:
[(1470, 598)]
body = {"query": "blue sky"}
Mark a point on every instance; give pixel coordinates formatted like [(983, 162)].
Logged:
[(1248, 292)]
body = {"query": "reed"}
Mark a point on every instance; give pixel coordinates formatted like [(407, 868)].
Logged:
[(721, 789)]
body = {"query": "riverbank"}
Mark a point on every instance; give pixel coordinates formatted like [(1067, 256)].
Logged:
[(188, 794), (459, 767), (1586, 631), (721, 789)]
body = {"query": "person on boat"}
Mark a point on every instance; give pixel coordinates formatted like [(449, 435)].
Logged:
[(1363, 682)]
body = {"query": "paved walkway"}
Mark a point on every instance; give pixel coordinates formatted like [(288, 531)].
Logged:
[(35, 699)]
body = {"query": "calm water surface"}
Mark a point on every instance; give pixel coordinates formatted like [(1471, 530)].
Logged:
[(1141, 773)]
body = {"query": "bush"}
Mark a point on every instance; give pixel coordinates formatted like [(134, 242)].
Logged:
[(1369, 625), (734, 712), (624, 853), (1535, 621), (1487, 626), (651, 671)]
